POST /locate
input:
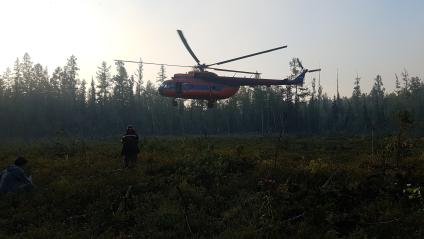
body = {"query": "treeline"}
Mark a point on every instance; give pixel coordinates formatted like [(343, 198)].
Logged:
[(36, 103)]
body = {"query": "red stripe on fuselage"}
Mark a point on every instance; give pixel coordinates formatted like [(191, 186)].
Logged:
[(193, 88)]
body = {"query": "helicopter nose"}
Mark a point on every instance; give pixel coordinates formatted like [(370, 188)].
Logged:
[(160, 89)]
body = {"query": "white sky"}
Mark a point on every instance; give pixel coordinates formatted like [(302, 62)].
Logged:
[(368, 37)]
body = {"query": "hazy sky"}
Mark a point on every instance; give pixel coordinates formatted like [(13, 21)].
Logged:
[(357, 36)]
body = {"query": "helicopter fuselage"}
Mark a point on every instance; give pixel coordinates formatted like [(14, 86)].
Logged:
[(205, 85), (197, 86)]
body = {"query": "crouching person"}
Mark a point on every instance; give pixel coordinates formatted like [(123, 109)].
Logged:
[(13, 178), (130, 147)]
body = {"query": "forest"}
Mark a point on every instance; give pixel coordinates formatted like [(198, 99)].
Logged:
[(36, 103)]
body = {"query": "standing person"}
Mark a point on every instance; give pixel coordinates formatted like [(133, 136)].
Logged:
[(13, 178), (130, 147)]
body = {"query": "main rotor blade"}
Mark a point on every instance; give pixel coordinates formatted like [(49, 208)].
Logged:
[(299, 63), (153, 63), (246, 56), (244, 72), (180, 33), (314, 70)]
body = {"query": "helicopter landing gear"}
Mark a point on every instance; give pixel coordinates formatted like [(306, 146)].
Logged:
[(174, 102), (211, 104)]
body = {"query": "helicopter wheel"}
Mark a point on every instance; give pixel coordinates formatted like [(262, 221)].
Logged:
[(174, 102), (211, 104)]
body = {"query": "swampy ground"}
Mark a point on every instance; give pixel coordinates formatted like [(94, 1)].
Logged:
[(219, 187)]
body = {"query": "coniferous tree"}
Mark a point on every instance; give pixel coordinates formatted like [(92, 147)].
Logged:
[(129, 91), (104, 83), (378, 90), (398, 88), (92, 95), (8, 82), (92, 107), (139, 83), (122, 85), (2, 86), (334, 119), (17, 78), (313, 109), (150, 95), (300, 92), (28, 81), (313, 91), (415, 85), (377, 98), (82, 93), (365, 113), (295, 69), (70, 79), (288, 94), (55, 82), (405, 79), (356, 94), (260, 102), (161, 74), (356, 98), (40, 80)]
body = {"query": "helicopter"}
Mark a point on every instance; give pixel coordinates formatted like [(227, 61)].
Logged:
[(200, 84)]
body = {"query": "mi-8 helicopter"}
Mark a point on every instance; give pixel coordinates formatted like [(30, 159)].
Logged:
[(201, 84)]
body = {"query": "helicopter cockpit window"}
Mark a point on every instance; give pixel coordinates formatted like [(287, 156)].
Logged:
[(168, 85)]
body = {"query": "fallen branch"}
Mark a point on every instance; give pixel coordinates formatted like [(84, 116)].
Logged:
[(296, 217), (328, 181), (103, 173), (123, 204), (185, 210), (383, 222)]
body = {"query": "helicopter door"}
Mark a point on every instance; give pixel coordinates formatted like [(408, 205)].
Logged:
[(178, 88)]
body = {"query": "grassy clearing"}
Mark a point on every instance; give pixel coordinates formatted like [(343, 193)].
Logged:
[(217, 187)]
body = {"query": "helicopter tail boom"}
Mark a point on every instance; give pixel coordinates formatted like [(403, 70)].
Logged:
[(239, 81)]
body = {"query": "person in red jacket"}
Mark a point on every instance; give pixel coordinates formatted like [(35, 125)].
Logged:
[(130, 148)]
